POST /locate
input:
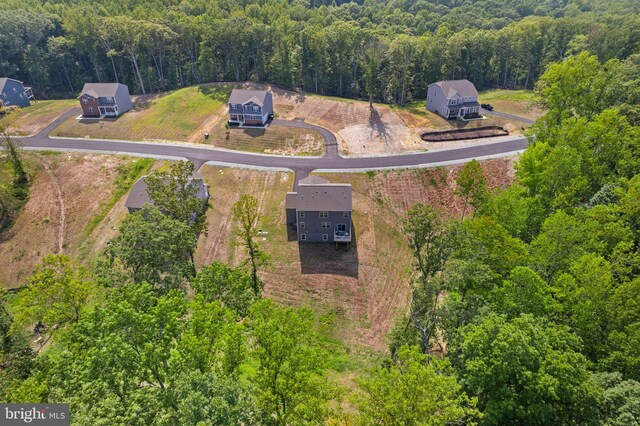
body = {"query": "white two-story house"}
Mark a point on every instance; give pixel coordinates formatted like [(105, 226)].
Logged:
[(250, 107), (453, 99)]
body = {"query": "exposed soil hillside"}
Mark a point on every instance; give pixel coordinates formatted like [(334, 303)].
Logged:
[(364, 287), (67, 191)]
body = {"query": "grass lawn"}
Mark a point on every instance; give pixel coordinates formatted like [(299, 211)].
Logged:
[(175, 116), (272, 140), (415, 114), (32, 119), (517, 102)]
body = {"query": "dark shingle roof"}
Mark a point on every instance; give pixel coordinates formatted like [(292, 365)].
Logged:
[(241, 96), (463, 88), (317, 194), (100, 90), (138, 195)]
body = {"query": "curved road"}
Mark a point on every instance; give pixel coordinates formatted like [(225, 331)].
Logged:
[(301, 165)]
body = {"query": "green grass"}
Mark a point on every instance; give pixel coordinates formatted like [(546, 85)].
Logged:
[(175, 117), (6, 174), (38, 115), (127, 175), (415, 107), (507, 95), (274, 140), (184, 108)]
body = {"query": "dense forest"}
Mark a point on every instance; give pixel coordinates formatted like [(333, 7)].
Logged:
[(526, 310), (384, 50)]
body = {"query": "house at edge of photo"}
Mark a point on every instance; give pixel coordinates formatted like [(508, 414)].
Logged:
[(453, 99), (320, 211), (139, 197), (250, 107), (13, 93), (104, 100)]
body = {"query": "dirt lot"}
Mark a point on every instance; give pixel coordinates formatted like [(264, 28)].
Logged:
[(362, 131), (67, 191), (33, 119), (365, 287)]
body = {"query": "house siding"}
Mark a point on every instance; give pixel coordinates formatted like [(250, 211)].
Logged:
[(436, 100), (239, 113), (123, 99), (449, 108), (121, 103), (313, 226), (90, 108), (13, 94)]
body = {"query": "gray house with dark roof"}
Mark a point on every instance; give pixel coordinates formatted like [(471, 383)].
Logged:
[(138, 196), (453, 99), (104, 100), (250, 107), (13, 93), (320, 211)]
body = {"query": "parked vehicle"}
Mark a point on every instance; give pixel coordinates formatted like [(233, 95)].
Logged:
[(488, 107)]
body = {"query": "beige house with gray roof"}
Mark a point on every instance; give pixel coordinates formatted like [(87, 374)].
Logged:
[(453, 99), (320, 211)]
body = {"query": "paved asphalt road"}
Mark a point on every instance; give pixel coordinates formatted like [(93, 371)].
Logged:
[(509, 116), (300, 165)]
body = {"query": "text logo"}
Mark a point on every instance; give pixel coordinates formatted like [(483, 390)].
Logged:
[(34, 414)]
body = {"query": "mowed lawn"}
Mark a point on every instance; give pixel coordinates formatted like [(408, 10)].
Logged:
[(272, 140), (175, 116), (415, 114), (517, 102), (32, 119)]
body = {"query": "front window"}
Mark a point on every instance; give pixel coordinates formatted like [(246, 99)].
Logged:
[(303, 237), (301, 214), (325, 225), (324, 214), (85, 101), (325, 237), (345, 215), (342, 227), (301, 224)]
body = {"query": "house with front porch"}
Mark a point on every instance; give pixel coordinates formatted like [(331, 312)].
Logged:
[(320, 211), (104, 100), (250, 107), (453, 99)]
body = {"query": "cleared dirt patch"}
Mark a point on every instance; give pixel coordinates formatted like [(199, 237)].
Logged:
[(33, 119), (364, 287), (85, 183)]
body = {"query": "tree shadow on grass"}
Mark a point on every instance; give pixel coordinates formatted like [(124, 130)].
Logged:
[(217, 93)]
